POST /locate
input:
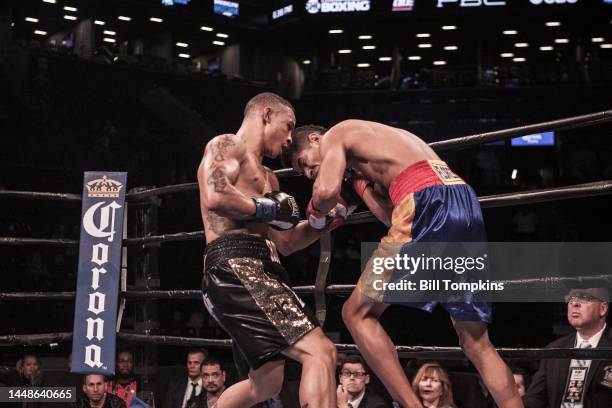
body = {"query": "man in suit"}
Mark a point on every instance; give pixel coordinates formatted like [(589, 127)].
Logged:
[(184, 389), (353, 391), (213, 377), (564, 383)]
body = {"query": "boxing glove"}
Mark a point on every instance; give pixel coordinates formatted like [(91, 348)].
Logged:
[(278, 209), (333, 219), (358, 182)]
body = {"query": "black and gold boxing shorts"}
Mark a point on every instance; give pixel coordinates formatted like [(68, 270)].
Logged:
[(244, 291)]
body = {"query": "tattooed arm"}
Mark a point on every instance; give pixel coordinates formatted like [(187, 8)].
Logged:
[(217, 175)]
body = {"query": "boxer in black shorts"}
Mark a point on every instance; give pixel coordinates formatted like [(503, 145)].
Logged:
[(245, 220)]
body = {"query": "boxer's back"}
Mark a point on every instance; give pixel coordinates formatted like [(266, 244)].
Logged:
[(379, 151)]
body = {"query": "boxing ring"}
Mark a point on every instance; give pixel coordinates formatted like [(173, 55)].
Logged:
[(146, 200)]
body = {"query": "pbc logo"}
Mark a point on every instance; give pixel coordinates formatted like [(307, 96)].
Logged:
[(478, 3), (402, 5)]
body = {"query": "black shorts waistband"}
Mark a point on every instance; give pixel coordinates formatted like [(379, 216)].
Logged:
[(230, 246)]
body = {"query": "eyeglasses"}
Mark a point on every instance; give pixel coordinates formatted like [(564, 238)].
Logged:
[(582, 298), (356, 374)]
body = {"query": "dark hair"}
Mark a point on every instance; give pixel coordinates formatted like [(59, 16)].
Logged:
[(266, 98), (299, 140), (198, 350), (123, 350), (29, 354), (524, 373), (212, 361), (87, 375), (354, 359)]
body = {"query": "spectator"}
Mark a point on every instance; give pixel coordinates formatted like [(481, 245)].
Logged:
[(522, 380), (213, 379), (182, 390), (195, 324), (353, 391), (432, 385), (11, 377), (29, 368), (577, 383), (95, 394), (125, 385)]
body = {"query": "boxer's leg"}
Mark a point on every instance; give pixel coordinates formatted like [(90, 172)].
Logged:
[(262, 384), (317, 354), (474, 340), (378, 350)]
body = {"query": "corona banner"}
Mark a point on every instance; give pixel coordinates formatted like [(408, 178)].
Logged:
[(95, 313)]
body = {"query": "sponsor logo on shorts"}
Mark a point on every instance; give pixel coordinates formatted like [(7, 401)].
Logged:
[(444, 172)]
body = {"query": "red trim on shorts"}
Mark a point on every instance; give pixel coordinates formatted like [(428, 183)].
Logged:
[(413, 178)]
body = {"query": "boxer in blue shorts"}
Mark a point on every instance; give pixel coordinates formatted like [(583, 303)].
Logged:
[(407, 187)]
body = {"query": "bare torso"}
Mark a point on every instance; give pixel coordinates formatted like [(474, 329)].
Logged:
[(379, 151), (254, 180)]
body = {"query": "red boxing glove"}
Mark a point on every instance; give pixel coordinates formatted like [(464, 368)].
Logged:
[(360, 184)]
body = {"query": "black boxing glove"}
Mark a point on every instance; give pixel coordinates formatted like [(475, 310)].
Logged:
[(278, 209)]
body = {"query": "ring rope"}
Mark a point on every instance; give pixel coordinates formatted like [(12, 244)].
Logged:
[(35, 195), (573, 122), (491, 201), (546, 283), (447, 353), (38, 241)]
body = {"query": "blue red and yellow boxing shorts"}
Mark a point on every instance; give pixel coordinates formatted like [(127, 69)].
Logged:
[(431, 204)]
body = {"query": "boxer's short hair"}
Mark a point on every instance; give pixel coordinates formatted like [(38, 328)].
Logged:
[(299, 140), (266, 98)]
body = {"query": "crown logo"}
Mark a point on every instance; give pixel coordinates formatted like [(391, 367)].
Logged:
[(103, 187)]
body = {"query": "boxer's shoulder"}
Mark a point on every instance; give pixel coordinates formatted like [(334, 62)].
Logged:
[(224, 146)]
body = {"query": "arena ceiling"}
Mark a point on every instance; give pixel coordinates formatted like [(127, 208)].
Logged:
[(448, 35)]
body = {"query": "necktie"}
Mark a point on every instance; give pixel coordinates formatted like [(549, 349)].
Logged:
[(584, 345), (193, 390)]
